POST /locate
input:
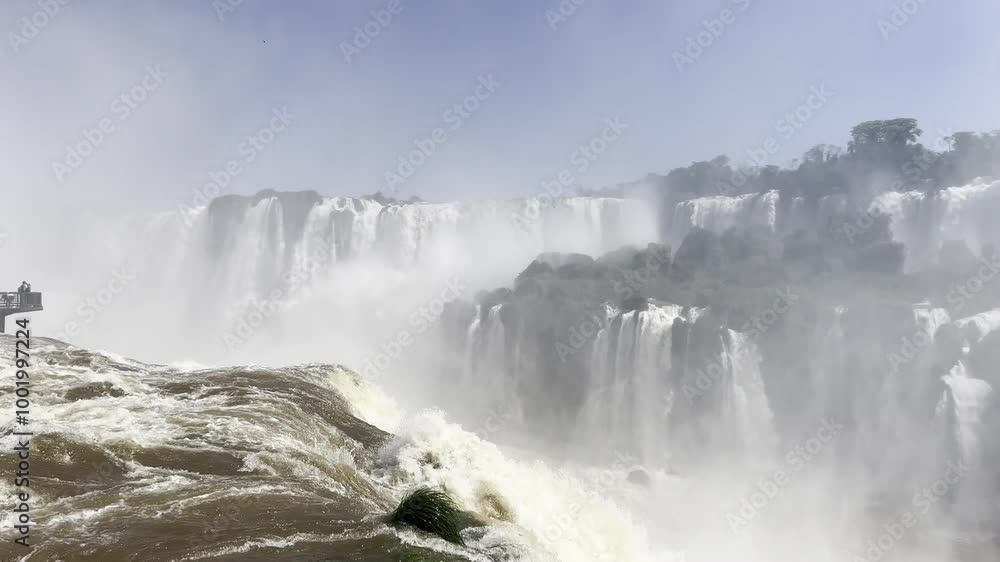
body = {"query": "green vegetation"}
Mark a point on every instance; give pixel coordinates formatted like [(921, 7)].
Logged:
[(432, 511), (880, 154)]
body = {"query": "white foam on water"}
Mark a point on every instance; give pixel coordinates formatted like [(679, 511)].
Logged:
[(366, 400), (975, 328), (930, 320), (566, 520)]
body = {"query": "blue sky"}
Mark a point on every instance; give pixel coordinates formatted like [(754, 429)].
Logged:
[(353, 120)]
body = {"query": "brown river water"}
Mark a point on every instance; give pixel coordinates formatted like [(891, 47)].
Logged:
[(143, 462)]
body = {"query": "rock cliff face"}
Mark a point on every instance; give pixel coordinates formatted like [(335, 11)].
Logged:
[(732, 350)]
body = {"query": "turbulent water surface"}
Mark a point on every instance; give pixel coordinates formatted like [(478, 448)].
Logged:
[(136, 461)]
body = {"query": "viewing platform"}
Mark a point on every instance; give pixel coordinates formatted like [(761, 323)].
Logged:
[(18, 303)]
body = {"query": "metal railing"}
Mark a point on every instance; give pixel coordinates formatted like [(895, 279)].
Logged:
[(20, 301)]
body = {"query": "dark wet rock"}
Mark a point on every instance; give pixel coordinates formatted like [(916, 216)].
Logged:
[(639, 477), (635, 303), (93, 390)]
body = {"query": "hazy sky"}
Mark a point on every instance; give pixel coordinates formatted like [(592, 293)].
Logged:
[(556, 82)]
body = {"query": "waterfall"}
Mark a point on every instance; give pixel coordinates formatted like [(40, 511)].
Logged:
[(271, 233), (338, 229), (827, 361), (237, 251), (405, 232), (256, 259), (473, 336), (631, 389), (244, 247), (627, 393), (970, 397), (490, 377), (720, 213), (747, 405), (923, 221)]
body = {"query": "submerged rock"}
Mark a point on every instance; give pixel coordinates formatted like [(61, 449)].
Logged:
[(93, 390), (639, 477)]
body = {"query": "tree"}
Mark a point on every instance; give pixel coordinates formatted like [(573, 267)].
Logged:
[(972, 155), (821, 154), (875, 135), (890, 147)]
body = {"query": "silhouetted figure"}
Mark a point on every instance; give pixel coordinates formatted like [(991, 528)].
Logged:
[(19, 303)]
